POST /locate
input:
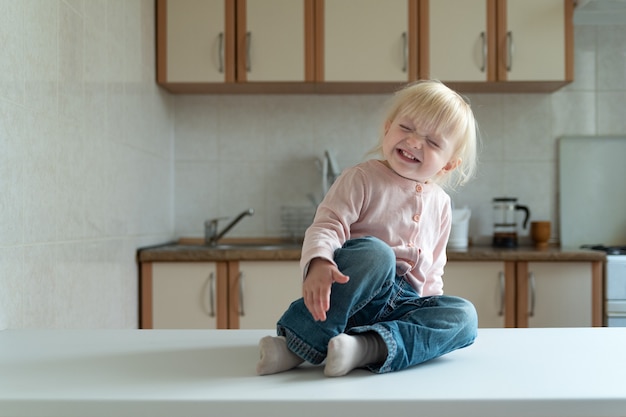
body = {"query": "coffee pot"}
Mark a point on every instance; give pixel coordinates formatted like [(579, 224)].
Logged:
[(505, 221)]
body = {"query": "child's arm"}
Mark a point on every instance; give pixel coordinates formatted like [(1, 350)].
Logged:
[(316, 286)]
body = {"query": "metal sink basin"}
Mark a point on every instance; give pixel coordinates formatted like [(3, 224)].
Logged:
[(257, 246)]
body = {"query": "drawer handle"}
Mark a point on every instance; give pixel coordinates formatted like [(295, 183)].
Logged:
[(502, 294), (248, 42), (211, 295), (221, 52), (241, 309), (405, 51), (484, 42), (510, 48), (531, 280)]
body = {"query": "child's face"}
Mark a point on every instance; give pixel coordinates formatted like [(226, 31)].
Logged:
[(414, 153)]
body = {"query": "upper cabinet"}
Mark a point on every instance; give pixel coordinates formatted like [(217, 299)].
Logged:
[(368, 42), (498, 45), (212, 46), (363, 46)]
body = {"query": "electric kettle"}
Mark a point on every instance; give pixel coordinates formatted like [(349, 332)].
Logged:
[(505, 221)]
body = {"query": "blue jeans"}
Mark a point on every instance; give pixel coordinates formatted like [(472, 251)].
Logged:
[(415, 329)]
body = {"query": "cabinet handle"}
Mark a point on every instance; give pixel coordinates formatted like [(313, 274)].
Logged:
[(241, 309), (405, 52), (531, 280), (211, 295), (483, 39), (221, 52), (248, 41), (502, 294), (510, 48)]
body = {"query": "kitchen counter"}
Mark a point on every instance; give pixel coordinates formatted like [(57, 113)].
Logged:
[(190, 251), (577, 372)]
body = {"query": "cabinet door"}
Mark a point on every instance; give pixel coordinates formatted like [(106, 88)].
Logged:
[(184, 295), (555, 294), (485, 284), (261, 292), (364, 41), (271, 40), (194, 42), (460, 40), (532, 46)]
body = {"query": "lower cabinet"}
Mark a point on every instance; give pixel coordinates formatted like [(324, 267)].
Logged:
[(261, 291), (529, 294), (485, 284), (217, 295)]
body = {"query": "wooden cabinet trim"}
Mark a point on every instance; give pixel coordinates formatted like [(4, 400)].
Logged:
[(510, 301), (161, 41), (233, 293), (310, 39), (319, 40), (521, 272), (145, 294)]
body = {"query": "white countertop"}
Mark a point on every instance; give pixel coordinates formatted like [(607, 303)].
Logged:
[(507, 372)]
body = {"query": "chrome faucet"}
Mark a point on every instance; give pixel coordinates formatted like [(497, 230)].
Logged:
[(211, 236)]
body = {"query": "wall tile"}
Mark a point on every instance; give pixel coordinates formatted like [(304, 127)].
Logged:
[(86, 168)]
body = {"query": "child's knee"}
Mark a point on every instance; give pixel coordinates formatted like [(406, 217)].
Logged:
[(368, 253)]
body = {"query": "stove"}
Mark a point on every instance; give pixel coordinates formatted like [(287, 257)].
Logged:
[(615, 285)]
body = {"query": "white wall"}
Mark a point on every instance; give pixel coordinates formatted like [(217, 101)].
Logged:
[(234, 152), (86, 171)]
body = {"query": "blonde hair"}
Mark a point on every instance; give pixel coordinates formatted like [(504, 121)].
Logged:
[(442, 111)]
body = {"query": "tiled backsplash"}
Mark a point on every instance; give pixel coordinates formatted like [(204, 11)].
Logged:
[(95, 160)]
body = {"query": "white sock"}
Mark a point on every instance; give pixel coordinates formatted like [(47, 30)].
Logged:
[(275, 356), (346, 352)]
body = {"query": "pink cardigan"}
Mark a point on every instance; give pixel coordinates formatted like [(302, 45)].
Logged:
[(370, 199)]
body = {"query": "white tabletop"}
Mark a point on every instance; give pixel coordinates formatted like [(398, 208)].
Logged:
[(507, 372)]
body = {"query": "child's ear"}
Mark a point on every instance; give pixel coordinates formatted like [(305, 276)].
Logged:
[(451, 165)]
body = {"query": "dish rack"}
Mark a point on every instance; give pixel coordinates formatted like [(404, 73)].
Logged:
[(295, 220)]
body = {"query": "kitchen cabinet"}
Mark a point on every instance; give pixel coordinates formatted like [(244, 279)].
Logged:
[(554, 294), (223, 295), (235, 45), (366, 41), (261, 291), (488, 286), (497, 45), (529, 294), (183, 295)]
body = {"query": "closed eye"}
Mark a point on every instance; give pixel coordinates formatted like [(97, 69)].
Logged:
[(431, 142)]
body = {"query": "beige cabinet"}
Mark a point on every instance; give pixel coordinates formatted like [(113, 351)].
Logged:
[(184, 295), (529, 294), (210, 45), (527, 42), (223, 295), (366, 40), (485, 284), (555, 294), (195, 41), (261, 291)]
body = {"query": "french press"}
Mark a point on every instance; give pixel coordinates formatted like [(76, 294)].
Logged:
[(505, 221)]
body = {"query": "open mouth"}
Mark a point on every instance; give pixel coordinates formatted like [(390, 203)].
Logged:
[(407, 156)]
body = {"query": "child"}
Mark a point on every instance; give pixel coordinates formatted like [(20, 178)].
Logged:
[(374, 256)]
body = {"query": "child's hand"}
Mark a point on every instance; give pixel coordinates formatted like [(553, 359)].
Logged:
[(316, 287)]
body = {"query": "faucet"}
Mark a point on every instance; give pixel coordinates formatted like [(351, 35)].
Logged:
[(211, 236)]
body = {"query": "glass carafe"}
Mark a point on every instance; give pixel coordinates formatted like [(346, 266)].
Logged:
[(505, 221)]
